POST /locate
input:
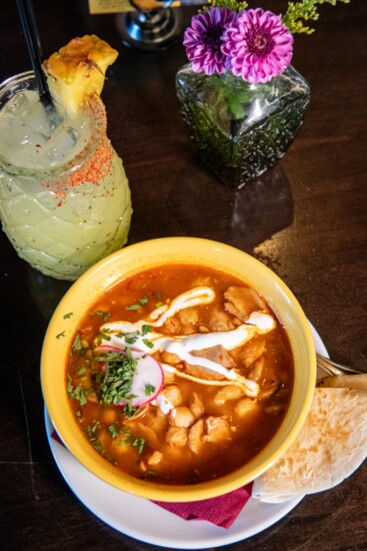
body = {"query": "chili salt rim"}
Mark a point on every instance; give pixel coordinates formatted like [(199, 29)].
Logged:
[(98, 143)]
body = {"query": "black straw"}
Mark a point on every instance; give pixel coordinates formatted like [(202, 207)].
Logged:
[(30, 30)]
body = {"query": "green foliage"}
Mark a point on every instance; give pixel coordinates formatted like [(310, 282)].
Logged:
[(306, 10), (231, 4), (295, 16)]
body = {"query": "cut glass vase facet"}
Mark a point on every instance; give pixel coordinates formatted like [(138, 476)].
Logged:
[(241, 129)]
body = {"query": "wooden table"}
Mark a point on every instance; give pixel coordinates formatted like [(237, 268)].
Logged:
[(306, 220)]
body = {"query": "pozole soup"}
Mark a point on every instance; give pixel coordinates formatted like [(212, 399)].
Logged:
[(180, 374)]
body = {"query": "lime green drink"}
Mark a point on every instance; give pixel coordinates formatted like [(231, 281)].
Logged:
[(64, 197)]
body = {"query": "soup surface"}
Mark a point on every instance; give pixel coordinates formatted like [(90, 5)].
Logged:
[(180, 374)]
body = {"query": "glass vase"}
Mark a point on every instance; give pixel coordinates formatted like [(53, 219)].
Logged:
[(241, 129)]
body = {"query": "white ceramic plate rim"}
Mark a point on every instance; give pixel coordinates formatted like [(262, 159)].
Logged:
[(145, 521)]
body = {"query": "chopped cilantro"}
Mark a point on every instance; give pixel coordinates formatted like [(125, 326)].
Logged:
[(139, 443), (114, 431), (126, 437), (131, 338), (77, 345), (151, 474), (145, 329), (92, 431), (114, 383), (129, 438), (77, 393), (68, 315), (149, 389), (62, 334), (159, 302), (101, 314), (129, 411), (132, 307), (103, 336), (93, 434), (98, 446), (141, 302), (148, 343)]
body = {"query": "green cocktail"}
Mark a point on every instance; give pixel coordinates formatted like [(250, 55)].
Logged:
[(64, 197)]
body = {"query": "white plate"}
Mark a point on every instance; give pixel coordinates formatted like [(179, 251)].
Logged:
[(125, 512)]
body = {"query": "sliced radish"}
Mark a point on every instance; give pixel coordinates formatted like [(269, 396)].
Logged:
[(149, 374), (102, 348), (148, 378)]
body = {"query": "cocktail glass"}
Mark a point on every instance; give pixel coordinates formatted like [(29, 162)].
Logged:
[(64, 197)]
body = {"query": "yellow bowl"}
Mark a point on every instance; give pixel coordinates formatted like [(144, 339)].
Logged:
[(135, 258)]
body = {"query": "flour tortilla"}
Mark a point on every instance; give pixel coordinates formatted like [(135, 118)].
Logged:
[(345, 381), (331, 445)]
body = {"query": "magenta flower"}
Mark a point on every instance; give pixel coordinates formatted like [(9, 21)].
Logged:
[(203, 40), (258, 45)]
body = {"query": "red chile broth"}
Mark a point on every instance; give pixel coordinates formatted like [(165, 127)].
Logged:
[(208, 430)]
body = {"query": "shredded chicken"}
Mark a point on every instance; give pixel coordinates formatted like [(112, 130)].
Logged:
[(189, 316), (170, 358), (157, 420), (147, 433), (245, 406), (197, 405), (229, 392), (173, 395), (269, 390), (217, 429), (155, 458), (216, 354), (252, 351), (196, 432), (249, 386), (241, 301), (257, 369), (172, 325), (176, 436), (220, 321), (202, 281)]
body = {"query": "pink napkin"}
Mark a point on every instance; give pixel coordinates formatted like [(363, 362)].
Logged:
[(222, 510)]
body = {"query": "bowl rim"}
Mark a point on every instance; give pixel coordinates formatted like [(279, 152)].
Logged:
[(55, 346)]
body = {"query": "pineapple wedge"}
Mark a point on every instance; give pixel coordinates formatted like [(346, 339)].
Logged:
[(77, 70)]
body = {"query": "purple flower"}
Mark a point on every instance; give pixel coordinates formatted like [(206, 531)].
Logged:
[(258, 45), (203, 40)]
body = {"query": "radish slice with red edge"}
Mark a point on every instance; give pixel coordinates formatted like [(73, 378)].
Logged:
[(148, 378)]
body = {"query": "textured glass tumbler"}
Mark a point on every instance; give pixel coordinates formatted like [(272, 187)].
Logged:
[(241, 129), (63, 220)]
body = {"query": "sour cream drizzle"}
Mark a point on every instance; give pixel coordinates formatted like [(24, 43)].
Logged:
[(194, 297), (183, 345)]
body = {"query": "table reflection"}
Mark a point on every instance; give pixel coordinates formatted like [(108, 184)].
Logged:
[(243, 217)]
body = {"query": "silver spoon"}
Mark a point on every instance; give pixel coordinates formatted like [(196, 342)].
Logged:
[(334, 368)]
